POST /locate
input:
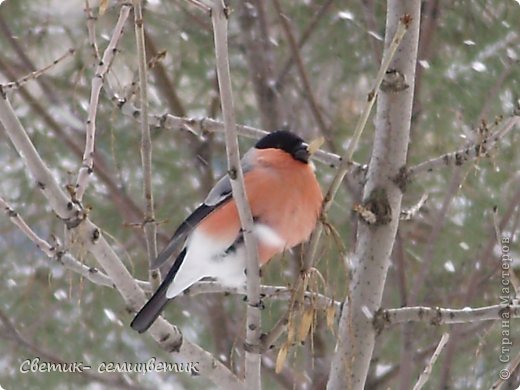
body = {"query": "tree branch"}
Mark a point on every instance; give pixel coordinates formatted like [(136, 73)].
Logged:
[(58, 254), (97, 83), (303, 39), (466, 154), (219, 18), (149, 225), (382, 195), (425, 375), (90, 237), (319, 301), (345, 164), (309, 94), (60, 203), (440, 316), (37, 73)]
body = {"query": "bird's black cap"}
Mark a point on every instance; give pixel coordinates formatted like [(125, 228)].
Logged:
[(288, 142)]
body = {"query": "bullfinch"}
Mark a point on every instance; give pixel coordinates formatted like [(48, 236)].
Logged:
[(285, 200)]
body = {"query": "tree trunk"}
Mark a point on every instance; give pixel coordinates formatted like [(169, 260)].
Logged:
[(382, 195)]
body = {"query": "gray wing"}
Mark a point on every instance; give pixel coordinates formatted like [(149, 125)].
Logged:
[(219, 195), (222, 189)]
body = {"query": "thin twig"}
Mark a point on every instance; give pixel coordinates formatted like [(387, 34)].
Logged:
[(97, 83), (196, 127), (259, 52), (468, 153), (408, 214), (166, 87), (200, 5), (90, 237), (149, 225), (425, 375), (37, 73), (506, 373), (91, 28), (309, 94), (282, 293), (303, 39), (219, 18), (25, 60), (124, 204), (57, 253)]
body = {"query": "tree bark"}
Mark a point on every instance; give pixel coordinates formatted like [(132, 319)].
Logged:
[(382, 195)]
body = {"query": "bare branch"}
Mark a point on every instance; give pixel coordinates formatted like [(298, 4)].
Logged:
[(150, 228), (303, 39), (319, 301), (90, 237), (219, 18), (408, 214), (506, 373), (37, 73), (425, 375), (466, 154), (198, 126), (60, 203), (309, 93), (440, 316), (201, 5), (129, 211), (91, 28), (97, 83), (57, 253), (259, 52)]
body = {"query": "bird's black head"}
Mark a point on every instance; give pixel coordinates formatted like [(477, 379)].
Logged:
[(288, 142)]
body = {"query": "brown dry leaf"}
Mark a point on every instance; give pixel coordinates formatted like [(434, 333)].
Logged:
[(103, 5), (330, 312), (305, 324), (290, 331), (315, 144), (281, 358)]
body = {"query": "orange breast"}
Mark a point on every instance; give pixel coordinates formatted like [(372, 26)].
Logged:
[(283, 194)]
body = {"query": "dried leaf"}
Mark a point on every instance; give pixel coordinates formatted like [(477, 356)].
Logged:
[(290, 331), (366, 214), (305, 324), (281, 358), (331, 313), (103, 5), (315, 144)]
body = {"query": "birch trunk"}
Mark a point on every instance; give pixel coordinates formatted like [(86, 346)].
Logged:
[(382, 195)]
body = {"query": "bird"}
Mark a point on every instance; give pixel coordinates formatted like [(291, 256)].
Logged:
[(285, 200)]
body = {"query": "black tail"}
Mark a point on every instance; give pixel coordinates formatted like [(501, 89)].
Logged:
[(153, 308)]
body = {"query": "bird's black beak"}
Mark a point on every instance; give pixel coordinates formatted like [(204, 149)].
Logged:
[(301, 153)]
